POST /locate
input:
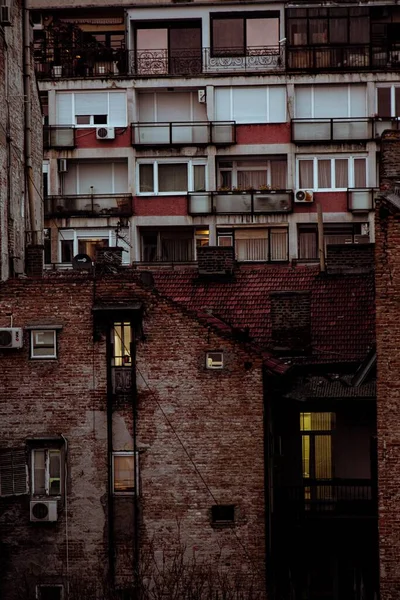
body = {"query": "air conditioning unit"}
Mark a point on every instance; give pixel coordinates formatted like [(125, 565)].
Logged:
[(62, 165), (201, 94), (5, 15), (105, 133), (11, 337), (304, 196), (43, 510)]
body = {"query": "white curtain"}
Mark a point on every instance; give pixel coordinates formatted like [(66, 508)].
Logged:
[(279, 174), (306, 174), (279, 244), (324, 174), (146, 178), (360, 173), (308, 244), (173, 177), (341, 173)]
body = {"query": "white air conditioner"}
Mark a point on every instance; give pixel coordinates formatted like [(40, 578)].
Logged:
[(43, 510), (11, 337), (105, 133), (5, 15), (62, 165), (201, 94), (304, 196)]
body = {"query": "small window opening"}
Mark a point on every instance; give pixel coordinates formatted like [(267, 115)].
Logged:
[(215, 360), (223, 514)]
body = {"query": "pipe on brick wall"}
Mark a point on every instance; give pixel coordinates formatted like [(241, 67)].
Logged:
[(321, 245)]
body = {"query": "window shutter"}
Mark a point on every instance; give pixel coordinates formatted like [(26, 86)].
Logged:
[(223, 110), (13, 474), (277, 104), (117, 112), (94, 103), (64, 109)]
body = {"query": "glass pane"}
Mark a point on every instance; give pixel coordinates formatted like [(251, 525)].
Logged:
[(305, 441), (360, 172), (323, 457), (338, 31), (228, 36), (199, 178), (39, 484), (306, 174), (262, 32), (172, 177), (49, 592), (298, 32), (90, 246), (252, 249), (279, 244), (146, 178), (124, 477), (359, 30), (316, 421), (397, 101), (278, 174), (318, 31), (54, 472), (384, 104), (251, 180), (67, 250), (341, 173), (324, 174), (308, 244)]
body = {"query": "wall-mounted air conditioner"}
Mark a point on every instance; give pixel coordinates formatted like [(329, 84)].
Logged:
[(62, 165), (5, 14), (201, 94), (304, 196), (105, 133), (43, 511), (11, 337)]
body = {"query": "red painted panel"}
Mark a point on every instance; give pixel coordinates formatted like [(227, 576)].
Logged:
[(274, 133), (330, 202), (160, 206), (86, 138)]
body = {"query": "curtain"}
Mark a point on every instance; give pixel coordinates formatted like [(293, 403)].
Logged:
[(279, 244), (279, 174), (146, 178), (124, 477), (324, 174), (251, 179), (318, 31), (384, 103), (173, 177), (308, 244), (176, 250), (359, 30), (199, 178), (228, 36), (39, 471), (254, 249), (360, 173), (306, 174), (341, 173)]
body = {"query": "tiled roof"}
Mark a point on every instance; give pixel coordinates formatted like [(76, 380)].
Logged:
[(342, 306), (333, 386)]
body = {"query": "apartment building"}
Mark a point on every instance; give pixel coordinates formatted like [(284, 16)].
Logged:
[(169, 127)]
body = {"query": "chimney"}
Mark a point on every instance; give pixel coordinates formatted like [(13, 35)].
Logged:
[(350, 258), (34, 260), (215, 260), (291, 322)]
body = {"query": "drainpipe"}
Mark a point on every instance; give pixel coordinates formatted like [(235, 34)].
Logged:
[(28, 125), (321, 245)]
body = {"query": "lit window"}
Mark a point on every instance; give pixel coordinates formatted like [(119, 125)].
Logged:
[(43, 343), (50, 592), (124, 473), (121, 340), (223, 514), (215, 360), (46, 472)]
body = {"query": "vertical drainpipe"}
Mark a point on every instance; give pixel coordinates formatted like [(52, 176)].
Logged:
[(135, 459), (28, 123), (109, 456)]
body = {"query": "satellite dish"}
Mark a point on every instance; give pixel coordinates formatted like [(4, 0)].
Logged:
[(81, 262)]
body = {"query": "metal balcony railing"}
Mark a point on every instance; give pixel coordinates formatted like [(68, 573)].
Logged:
[(325, 498), (247, 202), (344, 57), (194, 133), (361, 199), (64, 63), (326, 130), (60, 137), (95, 205)]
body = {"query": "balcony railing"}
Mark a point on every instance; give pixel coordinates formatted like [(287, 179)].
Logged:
[(381, 124), (93, 205), (63, 62), (58, 137), (329, 498), (343, 58), (325, 130), (251, 202), (184, 133), (361, 199)]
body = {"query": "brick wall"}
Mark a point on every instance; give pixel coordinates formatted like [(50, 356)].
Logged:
[(291, 321), (215, 260), (350, 258), (389, 166), (199, 433)]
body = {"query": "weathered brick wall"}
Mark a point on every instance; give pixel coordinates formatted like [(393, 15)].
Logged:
[(350, 258), (387, 252), (199, 432), (215, 259), (389, 166), (291, 320)]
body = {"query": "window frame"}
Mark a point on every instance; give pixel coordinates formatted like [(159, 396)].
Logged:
[(209, 365), (223, 522), (226, 232), (73, 236), (49, 585), (234, 170), (91, 125), (350, 173), (313, 228), (47, 449), (392, 87), (135, 456), (244, 15), (191, 163), (349, 87), (42, 330)]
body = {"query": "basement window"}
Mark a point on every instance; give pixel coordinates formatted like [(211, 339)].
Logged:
[(214, 360), (50, 592), (223, 514)]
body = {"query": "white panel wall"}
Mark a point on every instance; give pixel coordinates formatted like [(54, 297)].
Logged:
[(105, 177), (70, 104), (330, 101), (170, 106), (257, 104)]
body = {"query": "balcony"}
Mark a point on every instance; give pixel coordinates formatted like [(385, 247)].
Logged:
[(69, 62), (364, 57), (251, 202), (321, 130), (385, 123), (361, 199), (61, 138), (327, 498), (89, 205), (184, 133)]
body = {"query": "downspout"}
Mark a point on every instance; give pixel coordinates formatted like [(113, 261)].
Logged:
[(28, 124), (136, 467), (111, 544)]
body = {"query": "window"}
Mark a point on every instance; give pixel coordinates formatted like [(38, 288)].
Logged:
[(46, 472), (101, 177), (388, 100), (333, 101), (269, 244), (171, 177), (124, 473), (223, 514), (171, 245), (86, 241), (43, 343), (252, 174), (215, 360), (50, 592), (91, 109), (327, 173), (251, 104), (334, 233), (121, 343), (167, 107), (320, 26), (234, 34), (316, 442), (13, 473)]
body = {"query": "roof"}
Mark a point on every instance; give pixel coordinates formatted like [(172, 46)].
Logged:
[(331, 386), (342, 306)]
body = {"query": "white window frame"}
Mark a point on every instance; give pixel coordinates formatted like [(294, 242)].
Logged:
[(135, 473), (349, 85), (47, 450), (91, 124), (49, 585), (350, 159), (245, 121), (392, 87), (190, 164), (155, 103), (75, 235), (209, 362), (79, 165), (235, 169), (34, 343)]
